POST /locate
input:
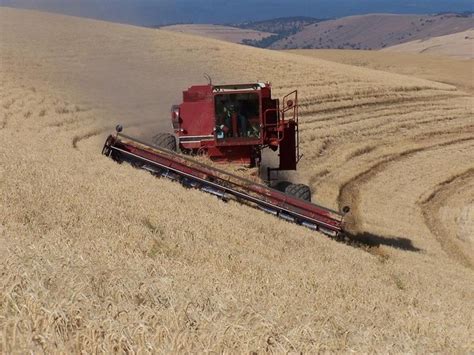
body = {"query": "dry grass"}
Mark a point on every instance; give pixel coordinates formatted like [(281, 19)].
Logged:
[(100, 257), (457, 72), (458, 45), (224, 33)]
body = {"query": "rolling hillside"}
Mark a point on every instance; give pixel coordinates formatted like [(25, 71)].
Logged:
[(224, 33), (280, 25), (444, 69), (374, 31), (457, 45), (100, 257)]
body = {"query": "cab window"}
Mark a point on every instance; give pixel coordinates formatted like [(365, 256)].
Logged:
[(237, 116)]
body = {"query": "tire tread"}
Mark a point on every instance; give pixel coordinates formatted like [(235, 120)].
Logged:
[(300, 191), (165, 140)]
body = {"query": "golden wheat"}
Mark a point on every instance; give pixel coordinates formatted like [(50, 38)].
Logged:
[(100, 257)]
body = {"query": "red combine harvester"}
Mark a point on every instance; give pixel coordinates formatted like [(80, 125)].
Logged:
[(233, 124)]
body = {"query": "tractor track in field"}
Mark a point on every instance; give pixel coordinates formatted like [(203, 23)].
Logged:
[(431, 206), (376, 118), (371, 95), (328, 144), (79, 138), (8, 103), (373, 115), (104, 130), (349, 192), (395, 128), (383, 103), (71, 123), (378, 111), (4, 122)]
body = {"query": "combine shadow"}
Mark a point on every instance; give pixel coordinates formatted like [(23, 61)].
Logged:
[(371, 240)]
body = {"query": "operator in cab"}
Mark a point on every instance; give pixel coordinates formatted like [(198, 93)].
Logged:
[(234, 119)]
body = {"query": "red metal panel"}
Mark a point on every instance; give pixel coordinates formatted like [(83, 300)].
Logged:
[(288, 148), (197, 93), (197, 123), (196, 118), (266, 92), (241, 155)]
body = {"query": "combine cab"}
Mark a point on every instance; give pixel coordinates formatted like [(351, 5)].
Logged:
[(231, 124)]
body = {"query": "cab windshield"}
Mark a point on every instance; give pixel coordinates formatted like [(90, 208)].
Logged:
[(237, 116)]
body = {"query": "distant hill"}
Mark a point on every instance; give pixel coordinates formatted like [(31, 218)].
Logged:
[(282, 27), (460, 45), (281, 24), (258, 34), (224, 33), (374, 31)]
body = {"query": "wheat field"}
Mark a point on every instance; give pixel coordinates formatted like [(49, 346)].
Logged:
[(457, 45), (100, 257), (449, 70)]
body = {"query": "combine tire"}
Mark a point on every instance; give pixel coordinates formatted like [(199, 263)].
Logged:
[(165, 140), (300, 191), (282, 185)]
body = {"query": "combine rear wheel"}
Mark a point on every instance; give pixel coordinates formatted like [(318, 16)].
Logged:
[(299, 190), (165, 140)]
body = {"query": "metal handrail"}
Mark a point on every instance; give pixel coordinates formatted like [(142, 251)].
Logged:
[(281, 117)]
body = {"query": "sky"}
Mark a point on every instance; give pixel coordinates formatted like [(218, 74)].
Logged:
[(159, 12)]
